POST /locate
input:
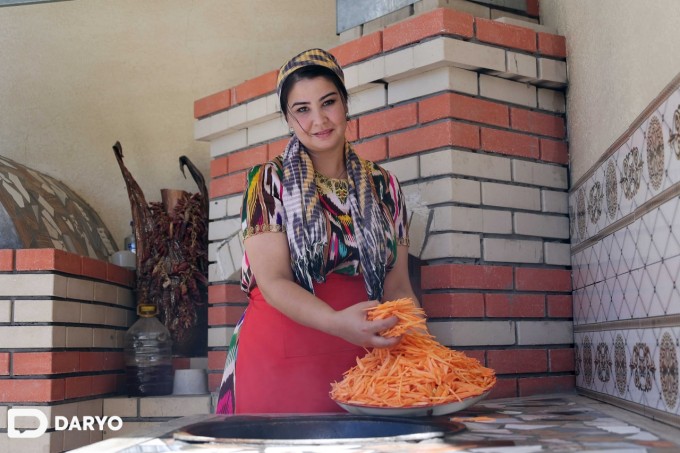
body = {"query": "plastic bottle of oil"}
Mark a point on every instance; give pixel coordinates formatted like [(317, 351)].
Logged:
[(148, 355)]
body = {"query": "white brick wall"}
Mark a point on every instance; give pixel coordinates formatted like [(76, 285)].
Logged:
[(5, 310), (541, 225), (539, 174), (512, 250), (473, 333), (17, 337), (446, 245), (440, 79), (371, 98), (552, 72), (507, 90), (509, 196), (557, 253), (520, 67), (544, 332), (552, 201), (228, 143), (218, 209), (461, 218), (404, 169), (551, 100), (32, 285), (465, 163)]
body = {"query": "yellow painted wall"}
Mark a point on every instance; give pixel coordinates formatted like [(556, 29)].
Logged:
[(621, 54), (75, 76)]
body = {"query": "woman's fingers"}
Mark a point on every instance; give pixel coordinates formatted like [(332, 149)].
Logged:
[(383, 342)]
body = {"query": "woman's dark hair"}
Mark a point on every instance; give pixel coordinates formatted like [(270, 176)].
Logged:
[(310, 72)]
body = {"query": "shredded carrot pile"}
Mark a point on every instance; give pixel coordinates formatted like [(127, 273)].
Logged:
[(411, 318), (419, 371)]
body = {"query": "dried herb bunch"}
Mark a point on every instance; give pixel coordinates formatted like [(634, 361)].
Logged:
[(177, 267), (172, 251)]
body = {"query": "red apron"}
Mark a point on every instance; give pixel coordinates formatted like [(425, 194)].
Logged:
[(285, 367)]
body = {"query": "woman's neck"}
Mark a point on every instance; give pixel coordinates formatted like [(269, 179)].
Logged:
[(331, 165)]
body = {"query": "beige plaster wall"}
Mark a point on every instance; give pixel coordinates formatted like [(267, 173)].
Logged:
[(75, 76), (621, 54)]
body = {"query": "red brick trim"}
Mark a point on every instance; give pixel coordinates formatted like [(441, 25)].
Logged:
[(214, 380), (552, 45), (554, 151), (216, 360), (506, 387), (248, 158), (515, 305), (227, 315), (535, 279), (4, 363), (227, 185), (388, 120), (561, 360), (453, 305), (31, 390), (219, 166), (214, 103), (506, 35), (226, 293), (560, 305), (466, 276), (510, 143), (441, 21), (48, 259), (6, 260), (358, 49), (374, 150), (433, 136), (533, 8), (256, 87), (537, 123), (518, 361), (545, 384), (453, 105), (93, 268)]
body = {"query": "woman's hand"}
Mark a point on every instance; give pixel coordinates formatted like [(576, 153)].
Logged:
[(351, 324)]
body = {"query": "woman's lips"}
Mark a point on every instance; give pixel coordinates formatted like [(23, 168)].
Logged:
[(323, 134)]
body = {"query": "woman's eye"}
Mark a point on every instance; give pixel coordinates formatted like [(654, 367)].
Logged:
[(329, 102), (302, 109)]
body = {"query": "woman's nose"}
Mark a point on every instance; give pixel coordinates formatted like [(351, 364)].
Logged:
[(318, 116)]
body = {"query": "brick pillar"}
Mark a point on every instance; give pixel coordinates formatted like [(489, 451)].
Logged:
[(62, 321), (468, 113)]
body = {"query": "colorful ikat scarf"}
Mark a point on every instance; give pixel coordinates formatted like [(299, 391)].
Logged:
[(307, 225)]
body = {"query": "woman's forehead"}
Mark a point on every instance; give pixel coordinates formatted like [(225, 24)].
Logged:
[(311, 89)]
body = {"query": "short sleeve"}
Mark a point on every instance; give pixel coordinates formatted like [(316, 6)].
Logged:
[(262, 209)]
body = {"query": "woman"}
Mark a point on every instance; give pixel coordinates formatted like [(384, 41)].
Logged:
[(325, 238)]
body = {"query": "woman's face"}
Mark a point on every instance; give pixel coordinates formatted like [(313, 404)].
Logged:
[(317, 115)]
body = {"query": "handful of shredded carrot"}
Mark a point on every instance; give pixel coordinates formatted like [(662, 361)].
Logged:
[(419, 371)]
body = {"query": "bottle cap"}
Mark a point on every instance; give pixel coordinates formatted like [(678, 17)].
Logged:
[(147, 310)]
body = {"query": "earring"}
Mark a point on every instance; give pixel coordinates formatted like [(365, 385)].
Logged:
[(290, 131), (347, 116)]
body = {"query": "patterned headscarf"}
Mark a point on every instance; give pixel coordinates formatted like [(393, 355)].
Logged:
[(306, 221), (311, 57)]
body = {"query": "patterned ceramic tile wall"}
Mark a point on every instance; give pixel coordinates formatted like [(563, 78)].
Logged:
[(625, 229)]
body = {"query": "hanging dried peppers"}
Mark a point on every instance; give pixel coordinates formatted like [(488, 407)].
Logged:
[(172, 251)]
